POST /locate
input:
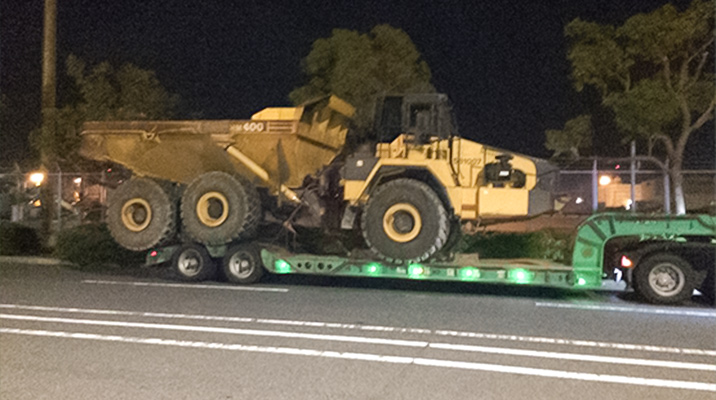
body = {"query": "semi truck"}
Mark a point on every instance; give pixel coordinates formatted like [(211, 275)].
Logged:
[(664, 258), (203, 193)]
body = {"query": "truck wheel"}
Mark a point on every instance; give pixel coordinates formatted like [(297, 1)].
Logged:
[(192, 263), (217, 208), (404, 220), (242, 264), (140, 214), (664, 278)]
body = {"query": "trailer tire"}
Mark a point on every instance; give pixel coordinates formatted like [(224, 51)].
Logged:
[(141, 214), (192, 263), (405, 221), (242, 264), (664, 278), (217, 208)]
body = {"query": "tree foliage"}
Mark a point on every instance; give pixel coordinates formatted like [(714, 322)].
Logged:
[(104, 93), (360, 66), (575, 136), (653, 72)]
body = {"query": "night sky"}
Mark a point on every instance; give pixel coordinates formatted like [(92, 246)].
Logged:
[(502, 63)]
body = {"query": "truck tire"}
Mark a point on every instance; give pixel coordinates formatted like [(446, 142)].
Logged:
[(664, 278), (217, 208), (192, 263), (404, 220), (242, 264), (140, 214)]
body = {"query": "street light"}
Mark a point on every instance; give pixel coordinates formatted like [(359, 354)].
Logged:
[(604, 180), (37, 178)]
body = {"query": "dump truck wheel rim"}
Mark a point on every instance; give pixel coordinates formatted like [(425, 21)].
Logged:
[(136, 214), (206, 209), (402, 222)]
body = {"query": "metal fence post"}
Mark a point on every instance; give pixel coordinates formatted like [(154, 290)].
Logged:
[(59, 199), (632, 172), (595, 186), (667, 189)]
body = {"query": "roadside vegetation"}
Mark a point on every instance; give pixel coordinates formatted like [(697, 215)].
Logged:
[(91, 247), (545, 244), (17, 239)]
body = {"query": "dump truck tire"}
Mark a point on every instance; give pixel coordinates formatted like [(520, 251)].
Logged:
[(404, 220), (140, 214), (217, 208)]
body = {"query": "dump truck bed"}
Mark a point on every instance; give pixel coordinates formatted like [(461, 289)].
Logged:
[(288, 143)]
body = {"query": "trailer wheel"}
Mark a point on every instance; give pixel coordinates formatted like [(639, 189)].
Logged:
[(141, 214), (192, 263), (242, 264), (217, 208), (664, 278), (404, 220)]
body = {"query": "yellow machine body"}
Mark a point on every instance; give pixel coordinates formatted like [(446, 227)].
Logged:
[(457, 166), (277, 148)]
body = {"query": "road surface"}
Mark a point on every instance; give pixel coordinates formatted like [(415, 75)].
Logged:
[(66, 334)]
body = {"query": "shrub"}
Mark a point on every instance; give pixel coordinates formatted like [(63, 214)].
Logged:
[(16, 239), (91, 245), (549, 245)]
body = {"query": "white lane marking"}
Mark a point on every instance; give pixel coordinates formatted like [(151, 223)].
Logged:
[(213, 329), (645, 310), (582, 343), (368, 340), (389, 329), (577, 357), (428, 362), (186, 285)]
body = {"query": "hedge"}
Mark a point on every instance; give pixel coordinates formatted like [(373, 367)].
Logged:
[(91, 245), (18, 240), (546, 244)]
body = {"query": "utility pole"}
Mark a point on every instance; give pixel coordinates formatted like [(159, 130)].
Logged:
[(49, 112)]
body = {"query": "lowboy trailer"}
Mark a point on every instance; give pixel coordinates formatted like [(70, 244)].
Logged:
[(664, 258)]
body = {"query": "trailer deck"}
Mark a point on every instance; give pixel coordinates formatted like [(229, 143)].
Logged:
[(514, 271)]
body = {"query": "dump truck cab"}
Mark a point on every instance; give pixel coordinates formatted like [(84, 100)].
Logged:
[(422, 115)]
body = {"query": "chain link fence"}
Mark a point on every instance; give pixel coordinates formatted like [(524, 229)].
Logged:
[(78, 196), (606, 186), (616, 187)]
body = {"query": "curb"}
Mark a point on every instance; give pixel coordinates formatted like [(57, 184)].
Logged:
[(33, 260)]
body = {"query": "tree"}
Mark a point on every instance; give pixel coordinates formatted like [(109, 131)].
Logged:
[(104, 93), (358, 67), (653, 72), (575, 136)]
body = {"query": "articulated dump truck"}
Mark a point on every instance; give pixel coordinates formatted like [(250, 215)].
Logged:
[(215, 182)]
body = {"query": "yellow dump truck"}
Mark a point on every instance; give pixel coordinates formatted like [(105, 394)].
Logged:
[(215, 182)]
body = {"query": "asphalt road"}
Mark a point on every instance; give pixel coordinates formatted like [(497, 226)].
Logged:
[(65, 334)]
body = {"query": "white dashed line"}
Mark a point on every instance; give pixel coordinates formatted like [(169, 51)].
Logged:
[(370, 340), (645, 310), (367, 357), (378, 328), (186, 286)]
